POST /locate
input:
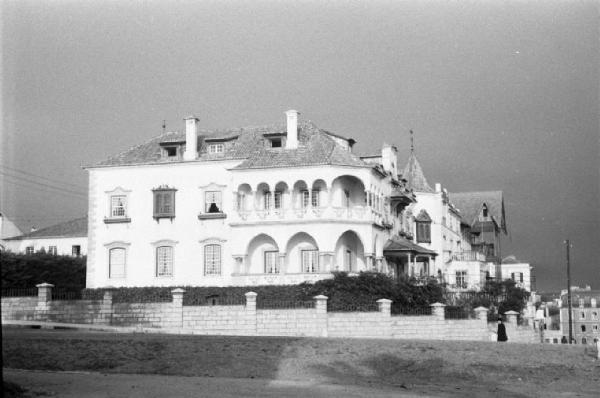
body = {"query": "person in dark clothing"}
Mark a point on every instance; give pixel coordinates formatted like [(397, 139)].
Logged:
[(501, 331)]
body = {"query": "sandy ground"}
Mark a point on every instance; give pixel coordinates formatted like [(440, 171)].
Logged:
[(307, 366)]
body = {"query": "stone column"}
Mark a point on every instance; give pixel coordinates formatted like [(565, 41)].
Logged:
[(379, 264), (44, 299), (177, 308), (385, 328), (438, 310), (321, 310), (106, 307), (482, 315), (251, 313), (511, 318)]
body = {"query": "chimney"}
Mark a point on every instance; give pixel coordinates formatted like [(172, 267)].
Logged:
[(389, 159), (438, 187), (191, 137), (292, 129)]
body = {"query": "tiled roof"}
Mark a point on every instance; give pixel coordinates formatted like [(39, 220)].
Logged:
[(413, 173), (315, 147), (400, 244), (469, 205), (69, 229)]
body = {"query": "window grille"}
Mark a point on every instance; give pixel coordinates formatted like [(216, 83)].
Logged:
[(52, 250), (118, 206), (29, 250), (216, 148), (267, 200), (164, 261), (271, 262), (423, 232), (461, 279), (76, 250), (315, 198), (305, 199), (116, 262), (277, 200), (310, 260), (212, 260), (212, 202)]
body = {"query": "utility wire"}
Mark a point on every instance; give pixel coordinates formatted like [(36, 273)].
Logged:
[(41, 183), (38, 176), (58, 190)]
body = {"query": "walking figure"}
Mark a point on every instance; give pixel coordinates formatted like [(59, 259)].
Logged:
[(501, 331)]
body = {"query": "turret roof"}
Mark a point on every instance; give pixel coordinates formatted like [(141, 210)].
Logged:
[(413, 173)]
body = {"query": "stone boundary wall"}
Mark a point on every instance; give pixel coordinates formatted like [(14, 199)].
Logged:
[(247, 320)]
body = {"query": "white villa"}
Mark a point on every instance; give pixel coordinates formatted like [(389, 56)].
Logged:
[(267, 205), (275, 205), (68, 238)]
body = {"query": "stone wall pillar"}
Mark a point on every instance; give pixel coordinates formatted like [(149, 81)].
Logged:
[(438, 310), (321, 310), (482, 315), (511, 318), (385, 309), (251, 313), (44, 300), (106, 310), (177, 308)]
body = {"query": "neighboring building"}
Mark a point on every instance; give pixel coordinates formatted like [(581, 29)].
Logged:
[(585, 315), (461, 228), (68, 238), (521, 273), (8, 229), (263, 205)]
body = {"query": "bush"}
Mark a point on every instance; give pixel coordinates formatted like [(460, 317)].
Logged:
[(345, 292), (27, 270)]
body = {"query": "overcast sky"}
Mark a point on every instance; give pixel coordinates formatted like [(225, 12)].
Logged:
[(501, 96)]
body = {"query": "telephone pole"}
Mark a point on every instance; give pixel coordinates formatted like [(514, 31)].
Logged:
[(569, 304)]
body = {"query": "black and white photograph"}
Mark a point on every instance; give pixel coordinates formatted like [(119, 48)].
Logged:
[(300, 198)]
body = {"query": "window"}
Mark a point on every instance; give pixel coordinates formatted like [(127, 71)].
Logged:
[(461, 279), (310, 260), (164, 203), (52, 250), (118, 206), (595, 327), (583, 328), (315, 199), (216, 148), (212, 260), (277, 199), (212, 202), (348, 260), (271, 262), (164, 261), (171, 151), (29, 250), (517, 276), (276, 143), (582, 315), (241, 201), (76, 250), (423, 232), (116, 262), (594, 315), (485, 211), (267, 200), (305, 199)]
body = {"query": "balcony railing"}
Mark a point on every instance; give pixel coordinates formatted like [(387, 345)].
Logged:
[(468, 256), (353, 213)]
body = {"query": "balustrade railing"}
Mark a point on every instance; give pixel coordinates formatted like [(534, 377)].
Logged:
[(468, 256), (358, 213)]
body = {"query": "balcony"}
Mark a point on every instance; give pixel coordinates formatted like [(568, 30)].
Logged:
[(469, 256), (278, 279), (364, 214)]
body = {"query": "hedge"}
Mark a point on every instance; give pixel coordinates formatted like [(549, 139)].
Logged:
[(345, 293), (27, 270)]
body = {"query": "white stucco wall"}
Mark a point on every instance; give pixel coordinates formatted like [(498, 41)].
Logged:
[(241, 261), (525, 268)]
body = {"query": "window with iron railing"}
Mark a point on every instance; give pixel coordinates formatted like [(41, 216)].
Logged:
[(310, 260), (271, 261), (212, 260), (164, 261)]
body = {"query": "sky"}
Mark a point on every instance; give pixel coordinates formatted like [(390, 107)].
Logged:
[(501, 95)]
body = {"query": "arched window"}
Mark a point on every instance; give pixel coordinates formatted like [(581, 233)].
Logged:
[(212, 259), (116, 262)]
